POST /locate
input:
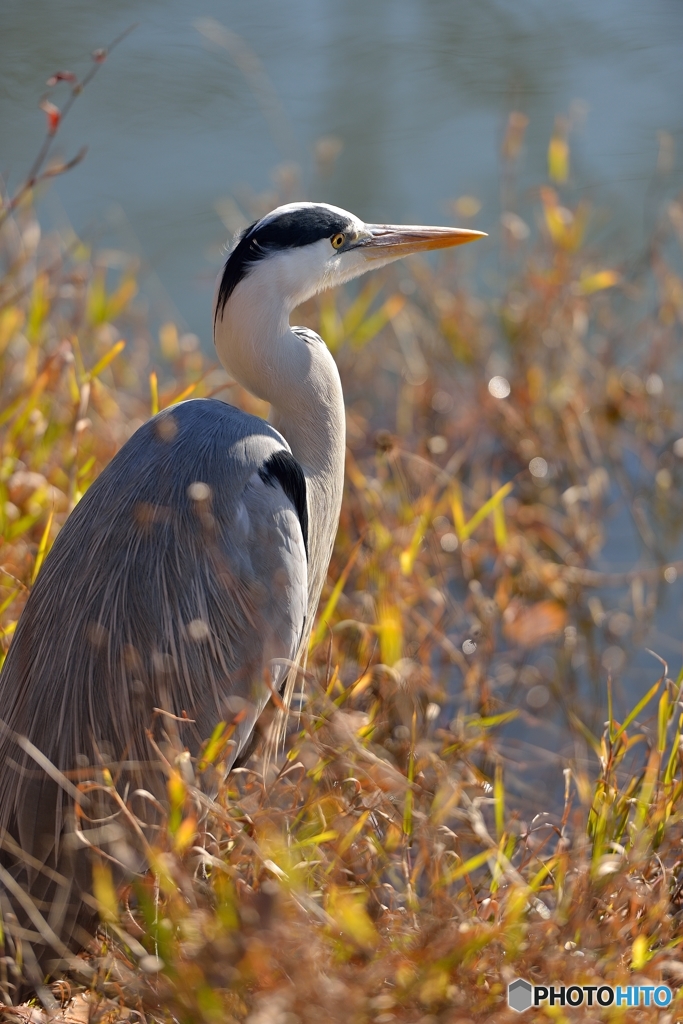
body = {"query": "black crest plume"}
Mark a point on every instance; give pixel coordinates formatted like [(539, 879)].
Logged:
[(288, 230)]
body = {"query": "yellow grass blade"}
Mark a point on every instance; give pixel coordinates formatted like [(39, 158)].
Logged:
[(119, 299), (328, 611), (40, 305), (586, 733), (558, 159), (353, 832), (42, 548), (185, 834), (390, 629), (662, 721), (408, 556), (348, 911), (457, 509), (499, 800), (464, 869), (154, 392), (358, 309), (374, 324), (104, 891), (486, 510), (323, 837), (8, 600), (106, 359), (590, 283), (636, 710), (168, 341), (8, 630), (500, 531), (185, 393), (408, 805), (11, 320), (673, 756), (331, 327)]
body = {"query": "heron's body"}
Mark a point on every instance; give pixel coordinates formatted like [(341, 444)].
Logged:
[(177, 599), (188, 576)]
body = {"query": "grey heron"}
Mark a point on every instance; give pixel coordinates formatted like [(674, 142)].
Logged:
[(188, 576)]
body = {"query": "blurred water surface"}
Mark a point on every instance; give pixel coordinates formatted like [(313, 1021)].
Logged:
[(417, 91)]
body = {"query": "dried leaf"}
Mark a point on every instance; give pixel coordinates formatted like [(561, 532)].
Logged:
[(528, 626)]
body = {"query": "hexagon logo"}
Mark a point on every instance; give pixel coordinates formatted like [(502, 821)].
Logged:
[(519, 995)]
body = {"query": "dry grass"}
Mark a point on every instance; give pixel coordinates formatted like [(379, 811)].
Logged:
[(449, 812)]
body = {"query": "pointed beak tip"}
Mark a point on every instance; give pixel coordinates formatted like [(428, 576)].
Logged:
[(473, 236), (470, 233)]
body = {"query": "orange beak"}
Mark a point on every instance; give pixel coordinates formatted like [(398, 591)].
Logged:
[(395, 240)]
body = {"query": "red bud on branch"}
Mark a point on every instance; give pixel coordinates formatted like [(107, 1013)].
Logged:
[(61, 76), (54, 116)]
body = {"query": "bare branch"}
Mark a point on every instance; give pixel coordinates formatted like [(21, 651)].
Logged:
[(55, 118)]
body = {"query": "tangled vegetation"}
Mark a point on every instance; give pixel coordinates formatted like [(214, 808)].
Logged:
[(466, 794)]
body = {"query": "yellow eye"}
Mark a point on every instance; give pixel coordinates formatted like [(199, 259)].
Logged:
[(338, 240)]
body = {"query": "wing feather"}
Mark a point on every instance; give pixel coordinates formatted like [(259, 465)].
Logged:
[(157, 593)]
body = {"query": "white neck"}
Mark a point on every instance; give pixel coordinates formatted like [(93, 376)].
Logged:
[(257, 347)]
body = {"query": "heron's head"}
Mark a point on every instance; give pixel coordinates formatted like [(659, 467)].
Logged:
[(303, 248)]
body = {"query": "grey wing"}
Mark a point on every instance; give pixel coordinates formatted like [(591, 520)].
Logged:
[(178, 582), (265, 574)]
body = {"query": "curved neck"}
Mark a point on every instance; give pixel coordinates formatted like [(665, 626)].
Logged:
[(300, 379)]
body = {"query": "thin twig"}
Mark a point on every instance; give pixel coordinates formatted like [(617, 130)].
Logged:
[(35, 175)]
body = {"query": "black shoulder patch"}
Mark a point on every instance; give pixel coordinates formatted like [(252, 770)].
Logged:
[(288, 230), (282, 467)]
